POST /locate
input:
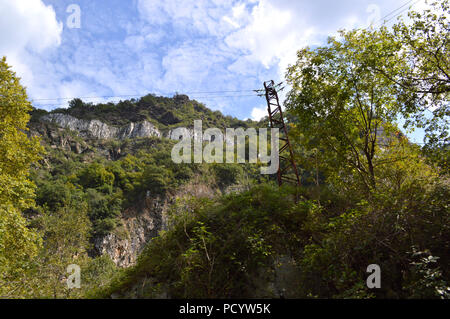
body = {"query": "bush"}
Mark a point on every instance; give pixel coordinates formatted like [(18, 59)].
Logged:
[(95, 176), (54, 194), (227, 174), (103, 210), (222, 249)]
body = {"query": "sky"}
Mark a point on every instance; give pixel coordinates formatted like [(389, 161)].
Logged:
[(215, 51)]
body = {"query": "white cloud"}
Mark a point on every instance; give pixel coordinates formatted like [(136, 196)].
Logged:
[(244, 65), (216, 18), (29, 28), (194, 45), (120, 68), (238, 16), (135, 42), (263, 37), (258, 113), (28, 24), (277, 29), (189, 65), (251, 41)]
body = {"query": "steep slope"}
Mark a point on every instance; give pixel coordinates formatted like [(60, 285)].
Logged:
[(128, 143)]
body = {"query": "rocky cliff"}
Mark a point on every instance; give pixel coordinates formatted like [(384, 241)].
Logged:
[(92, 133), (140, 224), (100, 130), (89, 138), (143, 222)]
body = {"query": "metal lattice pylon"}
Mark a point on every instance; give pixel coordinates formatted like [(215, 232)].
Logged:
[(287, 170)]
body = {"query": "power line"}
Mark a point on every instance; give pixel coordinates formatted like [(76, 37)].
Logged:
[(141, 95), (396, 15), (222, 96), (387, 15), (196, 97), (213, 92), (401, 11)]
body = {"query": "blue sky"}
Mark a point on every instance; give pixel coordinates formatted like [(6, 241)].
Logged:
[(138, 47)]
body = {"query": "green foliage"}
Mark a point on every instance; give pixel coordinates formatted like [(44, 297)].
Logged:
[(380, 233), (18, 244), (104, 210), (368, 196), (66, 233), (155, 179), (54, 194), (97, 274), (423, 75), (371, 196), (227, 174), (218, 249), (95, 176), (428, 281), (226, 247), (342, 107), (438, 156), (79, 191), (348, 94), (76, 103), (378, 195)]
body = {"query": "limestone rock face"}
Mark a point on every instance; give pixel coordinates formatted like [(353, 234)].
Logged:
[(140, 224), (183, 132), (143, 129), (144, 222), (100, 130)]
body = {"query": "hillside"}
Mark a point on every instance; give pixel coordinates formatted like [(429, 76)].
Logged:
[(122, 145), (164, 112), (155, 229), (94, 202)]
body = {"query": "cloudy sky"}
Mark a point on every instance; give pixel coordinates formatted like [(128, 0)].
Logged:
[(135, 47)]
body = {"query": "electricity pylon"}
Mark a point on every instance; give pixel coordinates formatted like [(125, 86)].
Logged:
[(287, 170)]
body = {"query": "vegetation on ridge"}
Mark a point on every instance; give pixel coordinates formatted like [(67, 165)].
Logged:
[(369, 196)]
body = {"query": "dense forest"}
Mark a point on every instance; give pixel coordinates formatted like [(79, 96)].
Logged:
[(140, 225)]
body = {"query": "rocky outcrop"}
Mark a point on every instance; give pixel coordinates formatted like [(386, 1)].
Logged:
[(140, 224), (100, 130), (146, 219), (143, 222), (189, 133), (181, 132)]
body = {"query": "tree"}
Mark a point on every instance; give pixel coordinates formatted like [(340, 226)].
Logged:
[(66, 232), (96, 176), (342, 106), (76, 103), (423, 76), (18, 243), (348, 93)]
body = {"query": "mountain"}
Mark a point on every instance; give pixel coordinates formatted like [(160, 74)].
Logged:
[(163, 112), (110, 199), (103, 139)]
